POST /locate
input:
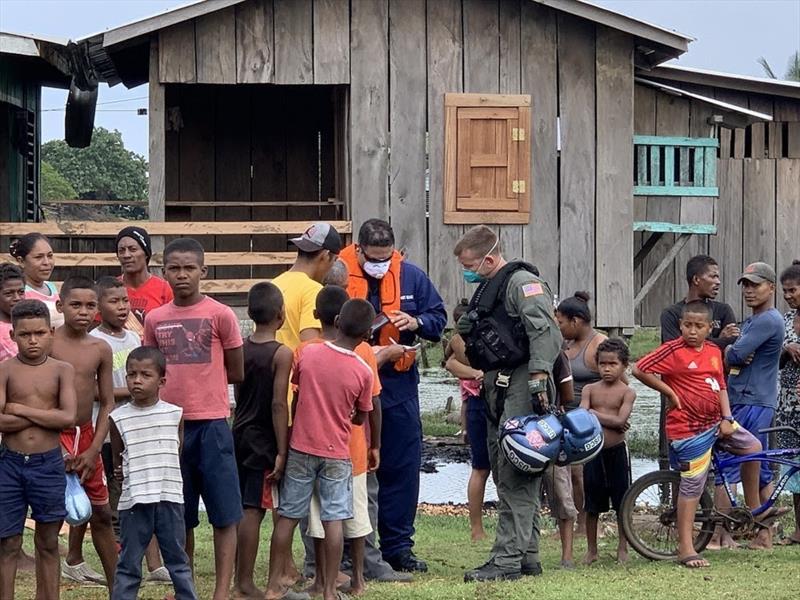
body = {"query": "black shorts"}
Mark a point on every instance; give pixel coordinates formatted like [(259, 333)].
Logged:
[(606, 478)]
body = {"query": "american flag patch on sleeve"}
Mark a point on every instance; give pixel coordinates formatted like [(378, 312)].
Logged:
[(532, 289)]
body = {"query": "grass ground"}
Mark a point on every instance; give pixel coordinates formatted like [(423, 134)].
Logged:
[(444, 542)]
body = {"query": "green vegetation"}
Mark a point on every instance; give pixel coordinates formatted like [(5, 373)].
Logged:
[(54, 186), (105, 170), (643, 341), (435, 425), (643, 445), (444, 542)]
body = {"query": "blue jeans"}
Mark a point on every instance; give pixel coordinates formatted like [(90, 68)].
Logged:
[(137, 526), (332, 477)]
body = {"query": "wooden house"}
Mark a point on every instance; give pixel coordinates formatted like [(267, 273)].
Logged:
[(548, 119), (752, 211), (26, 64)]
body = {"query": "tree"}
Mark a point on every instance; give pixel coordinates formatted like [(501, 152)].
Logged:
[(54, 186), (105, 170), (792, 70)]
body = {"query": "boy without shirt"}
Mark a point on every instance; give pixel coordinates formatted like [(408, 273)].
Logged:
[(608, 475), (698, 417), (91, 358), (203, 345), (37, 401)]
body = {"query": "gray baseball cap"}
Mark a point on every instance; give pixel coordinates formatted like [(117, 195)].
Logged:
[(320, 236), (758, 272)]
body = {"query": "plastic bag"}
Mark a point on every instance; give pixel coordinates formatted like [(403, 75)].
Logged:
[(79, 509)]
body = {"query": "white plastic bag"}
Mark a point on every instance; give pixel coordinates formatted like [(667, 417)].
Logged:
[(79, 509)]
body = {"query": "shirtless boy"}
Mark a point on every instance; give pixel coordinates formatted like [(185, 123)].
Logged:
[(93, 363), (37, 401), (608, 475)]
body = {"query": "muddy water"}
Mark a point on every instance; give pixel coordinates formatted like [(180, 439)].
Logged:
[(449, 483)]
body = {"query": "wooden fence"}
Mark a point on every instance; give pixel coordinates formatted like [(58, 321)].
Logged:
[(239, 229)]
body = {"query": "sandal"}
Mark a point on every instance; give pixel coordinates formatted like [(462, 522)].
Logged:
[(694, 558)]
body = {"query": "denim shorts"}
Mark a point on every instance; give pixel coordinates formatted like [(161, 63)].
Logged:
[(209, 470), (35, 480), (332, 478), (477, 431)]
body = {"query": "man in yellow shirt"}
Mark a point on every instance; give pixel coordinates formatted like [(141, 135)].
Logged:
[(317, 250)]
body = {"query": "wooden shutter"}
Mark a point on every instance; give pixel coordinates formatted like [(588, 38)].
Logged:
[(487, 159)]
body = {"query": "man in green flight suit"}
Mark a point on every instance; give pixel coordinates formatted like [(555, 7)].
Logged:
[(511, 334)]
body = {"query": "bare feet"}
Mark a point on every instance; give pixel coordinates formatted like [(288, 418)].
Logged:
[(315, 589), (622, 556), (357, 588), (479, 535), (762, 541), (590, 558), (721, 540), (247, 592), (567, 564)]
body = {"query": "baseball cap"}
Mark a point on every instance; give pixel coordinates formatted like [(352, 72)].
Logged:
[(758, 272), (320, 236)]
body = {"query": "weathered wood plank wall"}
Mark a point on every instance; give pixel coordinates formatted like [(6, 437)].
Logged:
[(399, 58), (758, 210)]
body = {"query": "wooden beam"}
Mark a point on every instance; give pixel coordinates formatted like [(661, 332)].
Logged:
[(218, 204), (646, 248), (666, 227), (662, 266), (157, 165), (84, 228), (82, 202), (217, 286), (212, 259)]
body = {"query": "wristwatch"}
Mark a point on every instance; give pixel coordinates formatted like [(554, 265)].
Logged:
[(729, 419)]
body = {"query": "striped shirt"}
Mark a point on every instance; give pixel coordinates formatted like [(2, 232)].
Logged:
[(150, 461)]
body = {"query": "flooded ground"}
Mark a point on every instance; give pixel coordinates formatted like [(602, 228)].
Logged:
[(437, 385), (449, 483)]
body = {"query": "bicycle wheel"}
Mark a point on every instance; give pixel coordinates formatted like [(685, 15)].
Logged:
[(649, 516)]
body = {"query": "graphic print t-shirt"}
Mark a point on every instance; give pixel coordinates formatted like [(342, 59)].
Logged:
[(147, 297), (194, 338), (697, 378)]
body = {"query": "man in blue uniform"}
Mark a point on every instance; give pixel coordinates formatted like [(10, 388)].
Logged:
[(412, 307)]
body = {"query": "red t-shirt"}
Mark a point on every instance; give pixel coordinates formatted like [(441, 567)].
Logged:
[(697, 378), (331, 381), (150, 295), (194, 338)]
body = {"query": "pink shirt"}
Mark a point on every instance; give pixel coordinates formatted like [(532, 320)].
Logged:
[(8, 347), (194, 338), (330, 382)]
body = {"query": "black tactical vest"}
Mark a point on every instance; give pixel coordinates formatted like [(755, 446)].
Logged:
[(497, 340)]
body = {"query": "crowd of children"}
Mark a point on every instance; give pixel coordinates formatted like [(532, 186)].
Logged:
[(143, 421)]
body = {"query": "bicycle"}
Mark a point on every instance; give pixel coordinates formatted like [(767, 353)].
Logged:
[(648, 515)]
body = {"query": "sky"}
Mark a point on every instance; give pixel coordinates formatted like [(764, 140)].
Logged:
[(730, 36)]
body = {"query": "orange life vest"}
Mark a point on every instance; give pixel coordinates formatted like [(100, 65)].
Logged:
[(389, 290)]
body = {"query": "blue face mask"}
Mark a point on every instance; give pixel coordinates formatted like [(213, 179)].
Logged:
[(472, 276), (475, 276)]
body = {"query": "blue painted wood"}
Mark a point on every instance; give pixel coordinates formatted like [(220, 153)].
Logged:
[(674, 190), (655, 165), (669, 166), (660, 140), (710, 173), (699, 162), (661, 227)]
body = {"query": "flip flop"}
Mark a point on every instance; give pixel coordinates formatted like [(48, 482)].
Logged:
[(686, 562), (768, 517)]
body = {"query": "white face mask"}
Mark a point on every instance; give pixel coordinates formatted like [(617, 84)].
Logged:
[(376, 270)]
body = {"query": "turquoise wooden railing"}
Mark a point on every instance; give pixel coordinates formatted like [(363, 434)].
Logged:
[(675, 166)]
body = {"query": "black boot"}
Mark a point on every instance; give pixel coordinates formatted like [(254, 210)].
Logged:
[(491, 572), (407, 562)]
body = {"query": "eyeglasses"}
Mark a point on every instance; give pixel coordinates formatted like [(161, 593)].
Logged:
[(368, 258)]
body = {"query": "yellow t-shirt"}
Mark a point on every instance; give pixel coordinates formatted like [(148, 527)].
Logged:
[(300, 298)]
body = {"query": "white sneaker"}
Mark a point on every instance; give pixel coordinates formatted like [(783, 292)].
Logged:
[(81, 573), (159, 575)]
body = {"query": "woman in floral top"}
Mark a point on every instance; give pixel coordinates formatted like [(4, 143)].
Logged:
[(789, 399)]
